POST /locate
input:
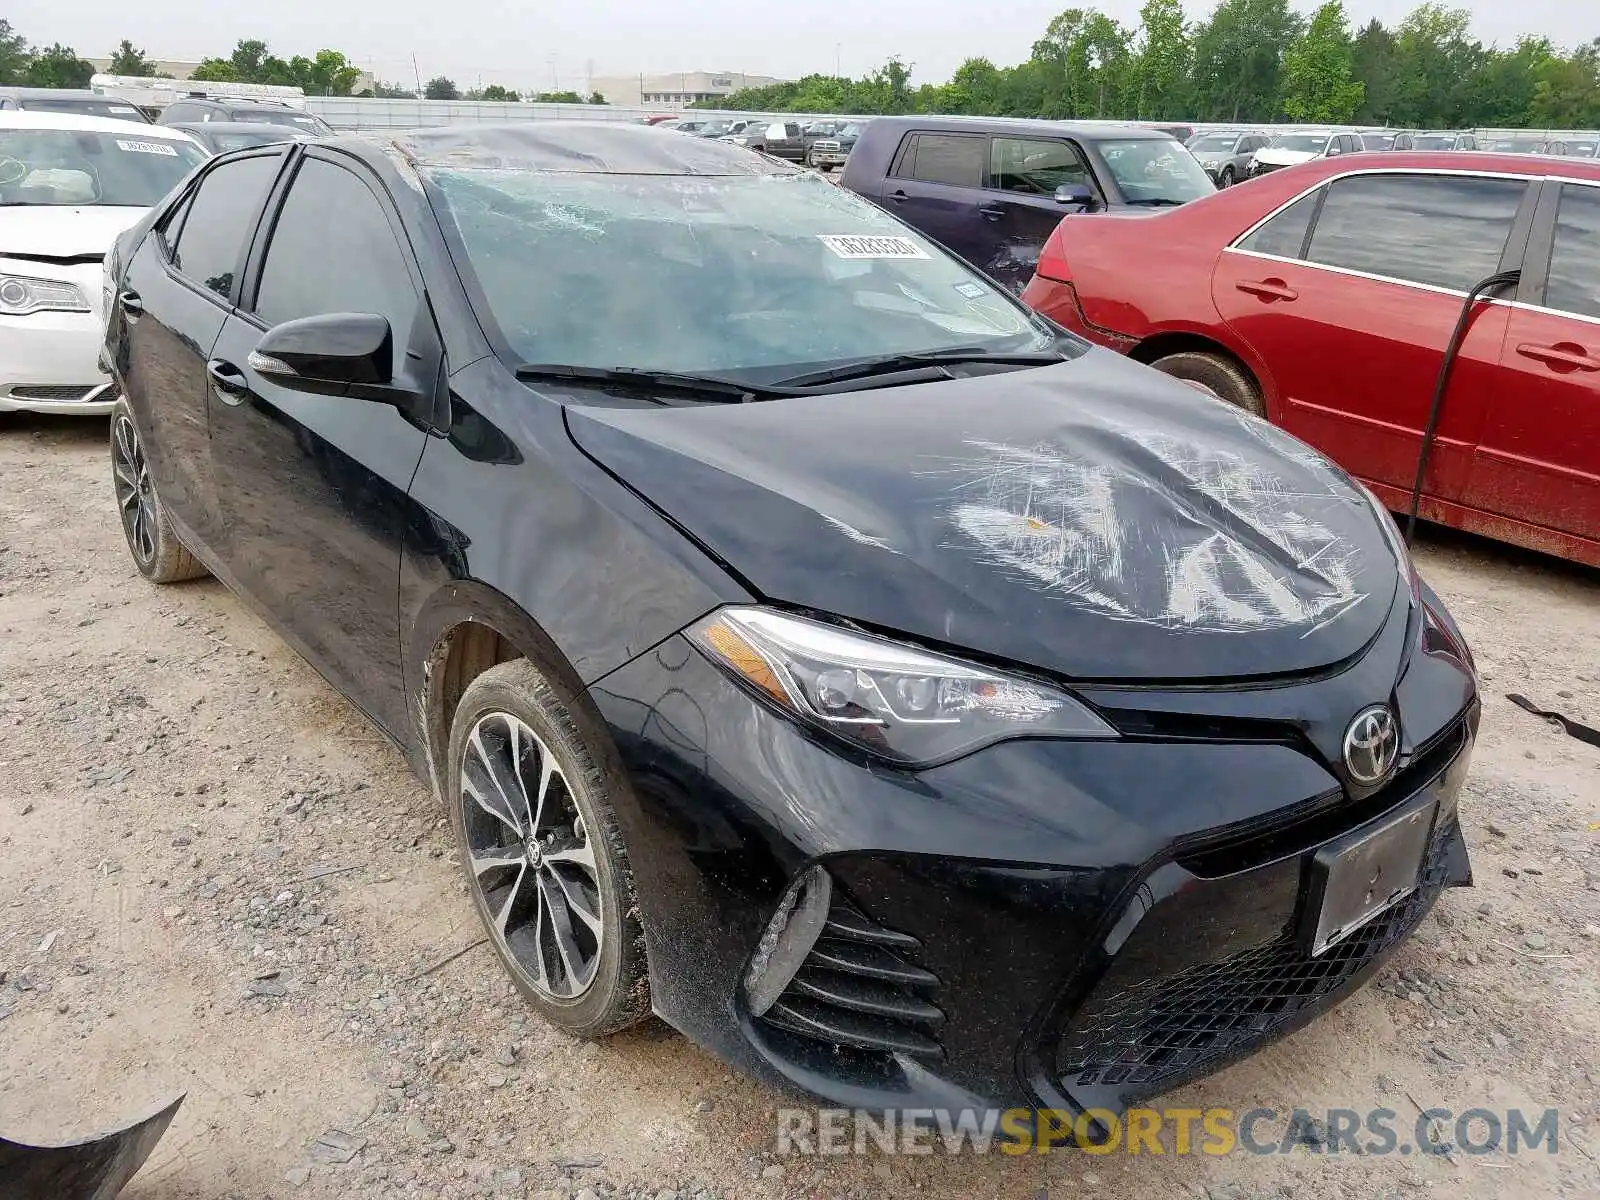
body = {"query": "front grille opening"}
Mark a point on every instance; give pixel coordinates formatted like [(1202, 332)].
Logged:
[(857, 990), (1142, 1038), (1326, 817), (52, 391)]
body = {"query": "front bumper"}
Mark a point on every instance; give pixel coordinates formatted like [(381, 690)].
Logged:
[(50, 362), (1043, 923)]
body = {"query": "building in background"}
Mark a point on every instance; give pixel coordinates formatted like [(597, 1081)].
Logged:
[(678, 90)]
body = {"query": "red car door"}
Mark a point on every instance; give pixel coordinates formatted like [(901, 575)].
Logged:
[(1540, 458), (1349, 297)]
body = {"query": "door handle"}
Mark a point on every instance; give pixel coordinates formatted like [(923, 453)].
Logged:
[(1268, 289), (227, 378), (1563, 354), (992, 214), (131, 304), (899, 197)]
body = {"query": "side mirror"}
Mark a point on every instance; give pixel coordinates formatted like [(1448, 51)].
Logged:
[(1334, 152), (1075, 194), (334, 354)]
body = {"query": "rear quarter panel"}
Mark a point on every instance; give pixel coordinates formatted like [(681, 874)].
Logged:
[(868, 164)]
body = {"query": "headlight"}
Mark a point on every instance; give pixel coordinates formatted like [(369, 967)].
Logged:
[(896, 701), (21, 295)]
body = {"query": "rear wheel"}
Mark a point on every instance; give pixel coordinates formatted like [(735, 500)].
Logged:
[(1226, 178), (530, 782), (1216, 374), (156, 550)]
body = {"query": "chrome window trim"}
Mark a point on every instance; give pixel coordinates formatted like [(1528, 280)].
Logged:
[(1457, 293)]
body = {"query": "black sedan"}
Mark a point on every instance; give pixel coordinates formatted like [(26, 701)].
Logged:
[(903, 699), (221, 137)]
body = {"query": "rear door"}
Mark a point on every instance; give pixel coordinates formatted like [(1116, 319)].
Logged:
[(936, 184), (1540, 457), (1019, 203), (314, 486), (176, 293), (1350, 296)]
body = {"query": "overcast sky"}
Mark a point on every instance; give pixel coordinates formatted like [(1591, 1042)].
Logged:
[(502, 42)]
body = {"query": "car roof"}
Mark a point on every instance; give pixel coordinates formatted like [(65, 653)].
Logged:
[(241, 102), (1457, 162), (85, 123), (573, 147), (230, 127), (1085, 131), (39, 93)]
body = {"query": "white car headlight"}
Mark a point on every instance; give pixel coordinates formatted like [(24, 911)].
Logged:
[(902, 703), (22, 294)]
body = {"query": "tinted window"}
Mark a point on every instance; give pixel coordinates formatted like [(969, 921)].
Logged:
[(1445, 230), (1284, 235), (317, 265), (1035, 167), (220, 218), (1574, 284), (946, 158)]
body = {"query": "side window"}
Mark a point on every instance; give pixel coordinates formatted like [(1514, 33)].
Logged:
[(951, 158), (1574, 283), (1036, 167), (792, 132), (1444, 230), (220, 217), (1285, 235), (315, 265)]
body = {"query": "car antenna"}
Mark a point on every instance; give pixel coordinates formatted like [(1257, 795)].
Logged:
[(1488, 283)]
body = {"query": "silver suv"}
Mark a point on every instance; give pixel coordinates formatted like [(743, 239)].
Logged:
[(1225, 153)]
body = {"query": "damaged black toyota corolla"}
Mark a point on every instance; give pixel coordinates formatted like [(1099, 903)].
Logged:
[(904, 700)]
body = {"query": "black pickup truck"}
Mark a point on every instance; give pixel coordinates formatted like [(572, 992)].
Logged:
[(781, 139)]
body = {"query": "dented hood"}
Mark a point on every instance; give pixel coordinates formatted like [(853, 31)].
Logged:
[(1094, 519)]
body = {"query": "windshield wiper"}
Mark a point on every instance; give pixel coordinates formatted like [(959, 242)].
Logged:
[(1157, 202), (890, 363), (717, 388)]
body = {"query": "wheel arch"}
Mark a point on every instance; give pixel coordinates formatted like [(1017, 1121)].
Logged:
[(465, 629), (1175, 341)]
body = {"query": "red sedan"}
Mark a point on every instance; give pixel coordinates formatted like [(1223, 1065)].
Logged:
[(1323, 297)]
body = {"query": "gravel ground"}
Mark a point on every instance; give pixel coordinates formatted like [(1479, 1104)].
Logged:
[(216, 878)]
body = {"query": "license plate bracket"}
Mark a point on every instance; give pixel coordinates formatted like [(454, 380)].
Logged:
[(1365, 873)]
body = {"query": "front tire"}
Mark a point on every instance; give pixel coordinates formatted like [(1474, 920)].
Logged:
[(1213, 373), (530, 780), (1225, 179), (156, 550)]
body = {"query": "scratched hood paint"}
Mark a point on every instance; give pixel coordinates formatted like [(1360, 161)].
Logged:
[(1094, 519)]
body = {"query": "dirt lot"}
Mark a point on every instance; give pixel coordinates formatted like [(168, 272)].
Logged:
[(216, 878)]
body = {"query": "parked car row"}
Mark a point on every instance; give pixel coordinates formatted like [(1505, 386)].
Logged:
[(933, 612)]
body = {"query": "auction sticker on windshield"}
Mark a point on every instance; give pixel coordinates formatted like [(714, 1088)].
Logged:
[(850, 245), (166, 148)]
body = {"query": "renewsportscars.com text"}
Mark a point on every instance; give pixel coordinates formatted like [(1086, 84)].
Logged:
[(1171, 1131)]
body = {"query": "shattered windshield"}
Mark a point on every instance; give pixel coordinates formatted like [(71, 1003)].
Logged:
[(752, 273)]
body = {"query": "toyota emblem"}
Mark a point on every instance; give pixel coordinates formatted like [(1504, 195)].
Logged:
[(1372, 744)]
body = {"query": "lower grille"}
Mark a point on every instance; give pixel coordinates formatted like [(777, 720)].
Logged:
[(1265, 168), (861, 988), (1134, 1041), (55, 392)]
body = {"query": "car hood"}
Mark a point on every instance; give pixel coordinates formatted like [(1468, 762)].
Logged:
[(1284, 158), (60, 231), (1095, 519)]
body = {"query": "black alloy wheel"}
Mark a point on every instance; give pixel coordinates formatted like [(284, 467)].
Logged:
[(530, 780), (156, 550)]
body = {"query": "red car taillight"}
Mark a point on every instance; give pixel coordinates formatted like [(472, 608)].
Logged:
[(1053, 259)]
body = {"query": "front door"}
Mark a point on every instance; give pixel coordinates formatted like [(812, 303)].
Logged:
[(1351, 294), (314, 487), (186, 270), (1540, 458), (1020, 205), (936, 186)]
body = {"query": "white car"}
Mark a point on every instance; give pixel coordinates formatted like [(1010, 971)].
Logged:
[(1295, 146), (69, 184)]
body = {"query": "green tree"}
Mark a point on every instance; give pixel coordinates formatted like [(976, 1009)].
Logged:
[(495, 92), (128, 59), (1437, 60), (440, 88), (1161, 67), (597, 98), (14, 55), (214, 70), (392, 91), (328, 74), (1319, 82), (1375, 62), (58, 67), (1238, 59), (1566, 92)]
